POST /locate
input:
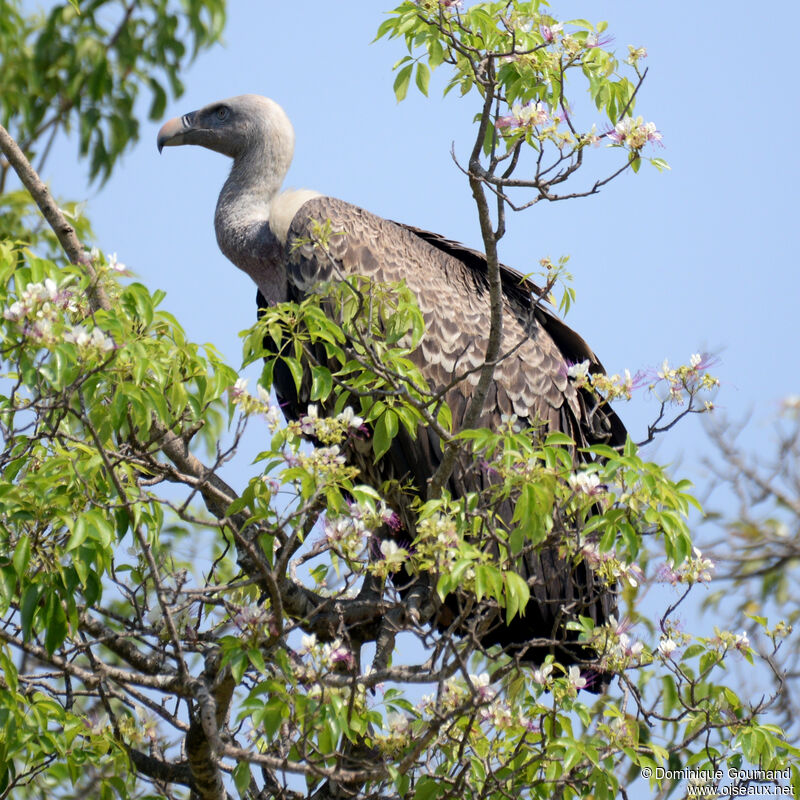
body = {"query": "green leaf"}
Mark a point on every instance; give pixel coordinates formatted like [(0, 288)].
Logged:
[(693, 650), (321, 383), (387, 26), (238, 662), (435, 52), (22, 555), (241, 778), (56, 621), (408, 23), (450, 580), (296, 369), (517, 595), (445, 417), (670, 695), (93, 588), (257, 660), (602, 450), (557, 438), (423, 77), (427, 789), (401, 82), (159, 101), (28, 606), (385, 430), (273, 714), (481, 581), (9, 671), (80, 530)]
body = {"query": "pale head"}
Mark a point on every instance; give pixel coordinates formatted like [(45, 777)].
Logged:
[(247, 126)]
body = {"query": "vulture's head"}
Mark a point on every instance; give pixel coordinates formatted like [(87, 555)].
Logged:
[(240, 127)]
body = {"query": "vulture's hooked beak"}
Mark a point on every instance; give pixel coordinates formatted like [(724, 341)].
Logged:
[(176, 131)]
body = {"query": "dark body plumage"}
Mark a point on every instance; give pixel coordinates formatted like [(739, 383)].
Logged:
[(451, 286), (450, 283)]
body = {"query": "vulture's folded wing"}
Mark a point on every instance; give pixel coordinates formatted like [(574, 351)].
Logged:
[(451, 288)]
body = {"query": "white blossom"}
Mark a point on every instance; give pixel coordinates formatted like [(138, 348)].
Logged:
[(16, 311), (273, 417), (349, 419), (575, 679), (117, 266), (78, 335), (585, 482), (741, 641), (482, 686), (390, 550), (578, 371), (101, 341), (634, 133), (240, 387), (398, 724), (43, 330), (512, 421), (789, 404), (308, 423), (628, 648), (542, 674), (666, 647)]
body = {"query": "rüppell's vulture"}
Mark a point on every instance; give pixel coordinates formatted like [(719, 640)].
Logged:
[(266, 233)]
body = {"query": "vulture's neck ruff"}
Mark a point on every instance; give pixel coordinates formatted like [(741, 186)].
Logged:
[(252, 217)]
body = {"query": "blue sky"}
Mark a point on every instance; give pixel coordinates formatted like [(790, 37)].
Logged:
[(700, 258)]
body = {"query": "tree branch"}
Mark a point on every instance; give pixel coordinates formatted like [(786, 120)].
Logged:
[(54, 216)]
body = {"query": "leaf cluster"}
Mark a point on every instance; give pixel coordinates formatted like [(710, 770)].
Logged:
[(76, 422), (83, 66), (525, 65), (357, 336)]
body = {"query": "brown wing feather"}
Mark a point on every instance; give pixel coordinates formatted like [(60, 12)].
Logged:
[(450, 282), (453, 297), (524, 293)]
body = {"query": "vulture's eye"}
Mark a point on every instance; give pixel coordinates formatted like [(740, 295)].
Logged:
[(223, 112)]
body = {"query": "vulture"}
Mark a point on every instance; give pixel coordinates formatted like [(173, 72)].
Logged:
[(266, 232)]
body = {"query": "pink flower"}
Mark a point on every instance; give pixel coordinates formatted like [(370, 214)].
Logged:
[(593, 40), (666, 574), (634, 133), (586, 483), (550, 32), (390, 518), (483, 689), (741, 642), (238, 389), (527, 116), (341, 655)]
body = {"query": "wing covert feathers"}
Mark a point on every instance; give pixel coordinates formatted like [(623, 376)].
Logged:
[(451, 287)]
